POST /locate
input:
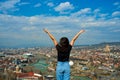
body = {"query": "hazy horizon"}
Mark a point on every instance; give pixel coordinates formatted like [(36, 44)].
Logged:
[(48, 45)]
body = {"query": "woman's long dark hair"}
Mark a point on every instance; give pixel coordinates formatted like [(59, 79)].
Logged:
[(64, 42), (63, 45)]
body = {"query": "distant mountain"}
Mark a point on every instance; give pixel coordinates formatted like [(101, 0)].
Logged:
[(99, 45), (108, 43), (80, 46)]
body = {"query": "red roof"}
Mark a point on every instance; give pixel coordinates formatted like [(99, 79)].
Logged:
[(29, 74)]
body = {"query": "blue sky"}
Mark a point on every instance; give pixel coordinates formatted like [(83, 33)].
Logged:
[(22, 21)]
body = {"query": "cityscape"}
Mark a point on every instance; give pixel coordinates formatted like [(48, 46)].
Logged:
[(89, 62), (28, 53)]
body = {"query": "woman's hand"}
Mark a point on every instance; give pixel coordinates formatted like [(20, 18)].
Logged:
[(45, 30), (81, 31)]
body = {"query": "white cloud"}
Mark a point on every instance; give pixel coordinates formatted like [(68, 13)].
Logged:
[(96, 11), (98, 23), (50, 4), (29, 28), (63, 7), (33, 19), (116, 13), (82, 12), (23, 3), (88, 18), (60, 31), (116, 3), (8, 5), (116, 30), (86, 10), (103, 15), (23, 27), (60, 21), (37, 5)]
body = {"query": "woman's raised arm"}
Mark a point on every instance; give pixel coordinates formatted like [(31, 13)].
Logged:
[(76, 36), (51, 36)]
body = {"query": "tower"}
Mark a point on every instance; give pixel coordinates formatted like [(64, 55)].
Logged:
[(107, 49)]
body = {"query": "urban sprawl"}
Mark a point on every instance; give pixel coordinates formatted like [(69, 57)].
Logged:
[(87, 63)]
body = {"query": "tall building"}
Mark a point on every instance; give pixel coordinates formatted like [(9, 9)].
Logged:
[(107, 49)]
